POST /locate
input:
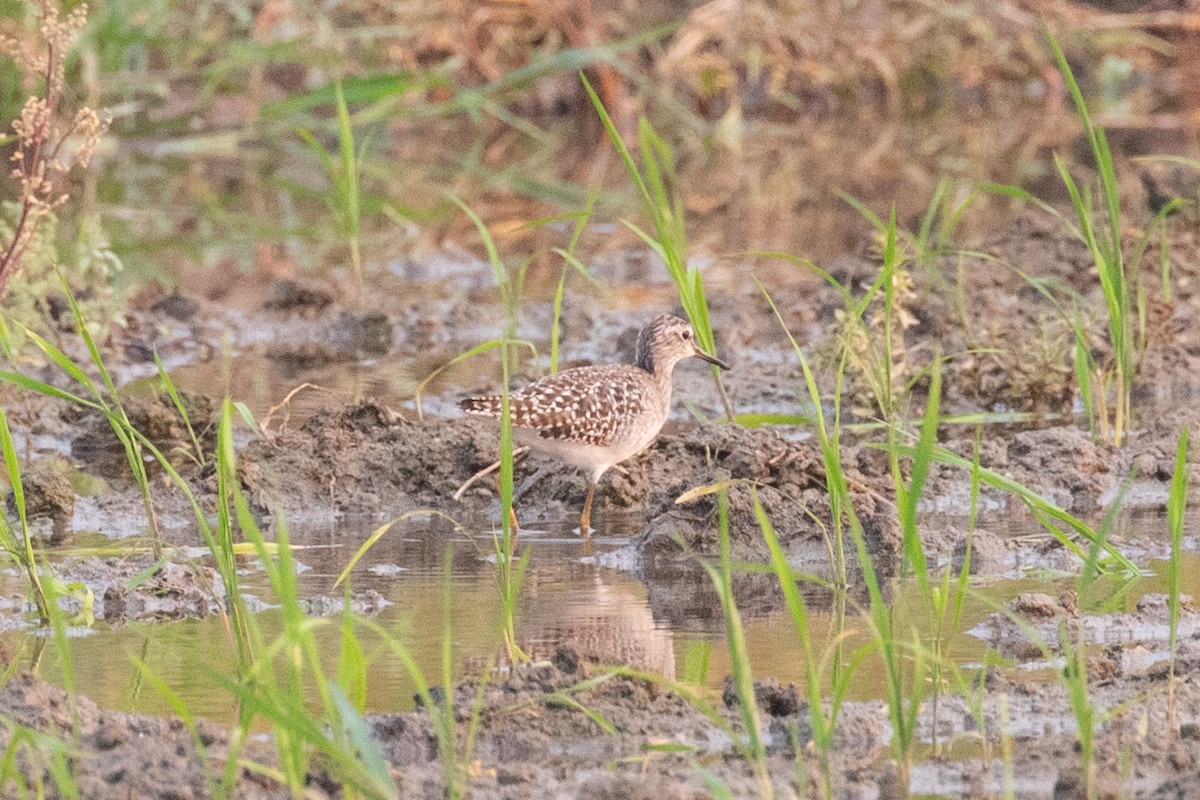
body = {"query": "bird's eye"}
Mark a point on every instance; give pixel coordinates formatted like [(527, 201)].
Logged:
[(687, 334)]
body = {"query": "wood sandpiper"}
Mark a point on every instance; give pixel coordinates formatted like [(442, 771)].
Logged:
[(596, 417)]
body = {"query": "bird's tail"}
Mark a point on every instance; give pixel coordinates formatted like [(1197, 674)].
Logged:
[(488, 406)]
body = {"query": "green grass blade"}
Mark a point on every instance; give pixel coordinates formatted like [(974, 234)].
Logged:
[(871, 217), (86, 335), (617, 142), (352, 663), (349, 161), (910, 498), (64, 363), (566, 701), (1046, 512), (478, 349), (365, 746), (22, 551), (1176, 506), (168, 384)]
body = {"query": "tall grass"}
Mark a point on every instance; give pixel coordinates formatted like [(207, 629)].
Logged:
[(570, 261), (656, 185), (1157, 227), (822, 716), (946, 596), (1062, 525), (105, 399), (1098, 225), (1176, 505), (903, 688), (948, 600), (1082, 360), (509, 571), (1104, 243), (221, 543), (344, 202), (829, 438), (168, 385), (911, 670), (275, 673), (908, 496), (903, 695), (455, 753), (739, 655), (273, 678), (1072, 643), (871, 347), (19, 544), (27, 750), (934, 238), (106, 402)]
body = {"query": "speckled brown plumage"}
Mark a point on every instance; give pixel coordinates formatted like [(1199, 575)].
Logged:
[(591, 405), (595, 417)]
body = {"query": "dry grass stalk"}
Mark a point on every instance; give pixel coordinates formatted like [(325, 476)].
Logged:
[(49, 141)]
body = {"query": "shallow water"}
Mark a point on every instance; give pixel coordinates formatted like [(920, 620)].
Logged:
[(568, 598)]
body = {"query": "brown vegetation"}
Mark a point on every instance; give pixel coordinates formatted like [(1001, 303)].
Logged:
[(49, 140)]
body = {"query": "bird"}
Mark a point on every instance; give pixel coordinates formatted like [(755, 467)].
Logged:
[(597, 416)]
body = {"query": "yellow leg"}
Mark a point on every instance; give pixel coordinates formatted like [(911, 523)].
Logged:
[(585, 529), (512, 518), (512, 512)]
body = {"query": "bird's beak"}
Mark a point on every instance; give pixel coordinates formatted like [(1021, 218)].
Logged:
[(703, 356)]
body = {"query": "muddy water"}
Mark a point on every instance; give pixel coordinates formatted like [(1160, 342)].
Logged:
[(569, 597), (772, 186), (263, 382)]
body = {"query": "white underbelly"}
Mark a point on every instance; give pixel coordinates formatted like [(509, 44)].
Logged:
[(593, 459)]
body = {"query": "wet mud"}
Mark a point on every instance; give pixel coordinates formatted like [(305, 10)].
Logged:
[(532, 741), (1007, 348)]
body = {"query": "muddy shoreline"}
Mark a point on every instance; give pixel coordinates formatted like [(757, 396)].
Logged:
[(337, 456), (531, 744)]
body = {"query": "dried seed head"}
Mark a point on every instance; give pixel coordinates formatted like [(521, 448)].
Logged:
[(48, 142)]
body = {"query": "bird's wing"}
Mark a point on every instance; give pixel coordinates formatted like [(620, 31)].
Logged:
[(590, 404)]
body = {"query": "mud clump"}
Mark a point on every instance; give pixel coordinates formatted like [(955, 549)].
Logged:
[(300, 297), (789, 483), (348, 336), (173, 591), (533, 744), (1037, 605), (318, 331), (1074, 468), (49, 497), (368, 334), (365, 458), (176, 306), (987, 551), (154, 415), (773, 697), (367, 603), (117, 755), (533, 740)]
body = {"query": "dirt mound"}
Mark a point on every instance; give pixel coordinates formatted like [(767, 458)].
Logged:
[(153, 414), (364, 458), (115, 755), (637, 738)]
